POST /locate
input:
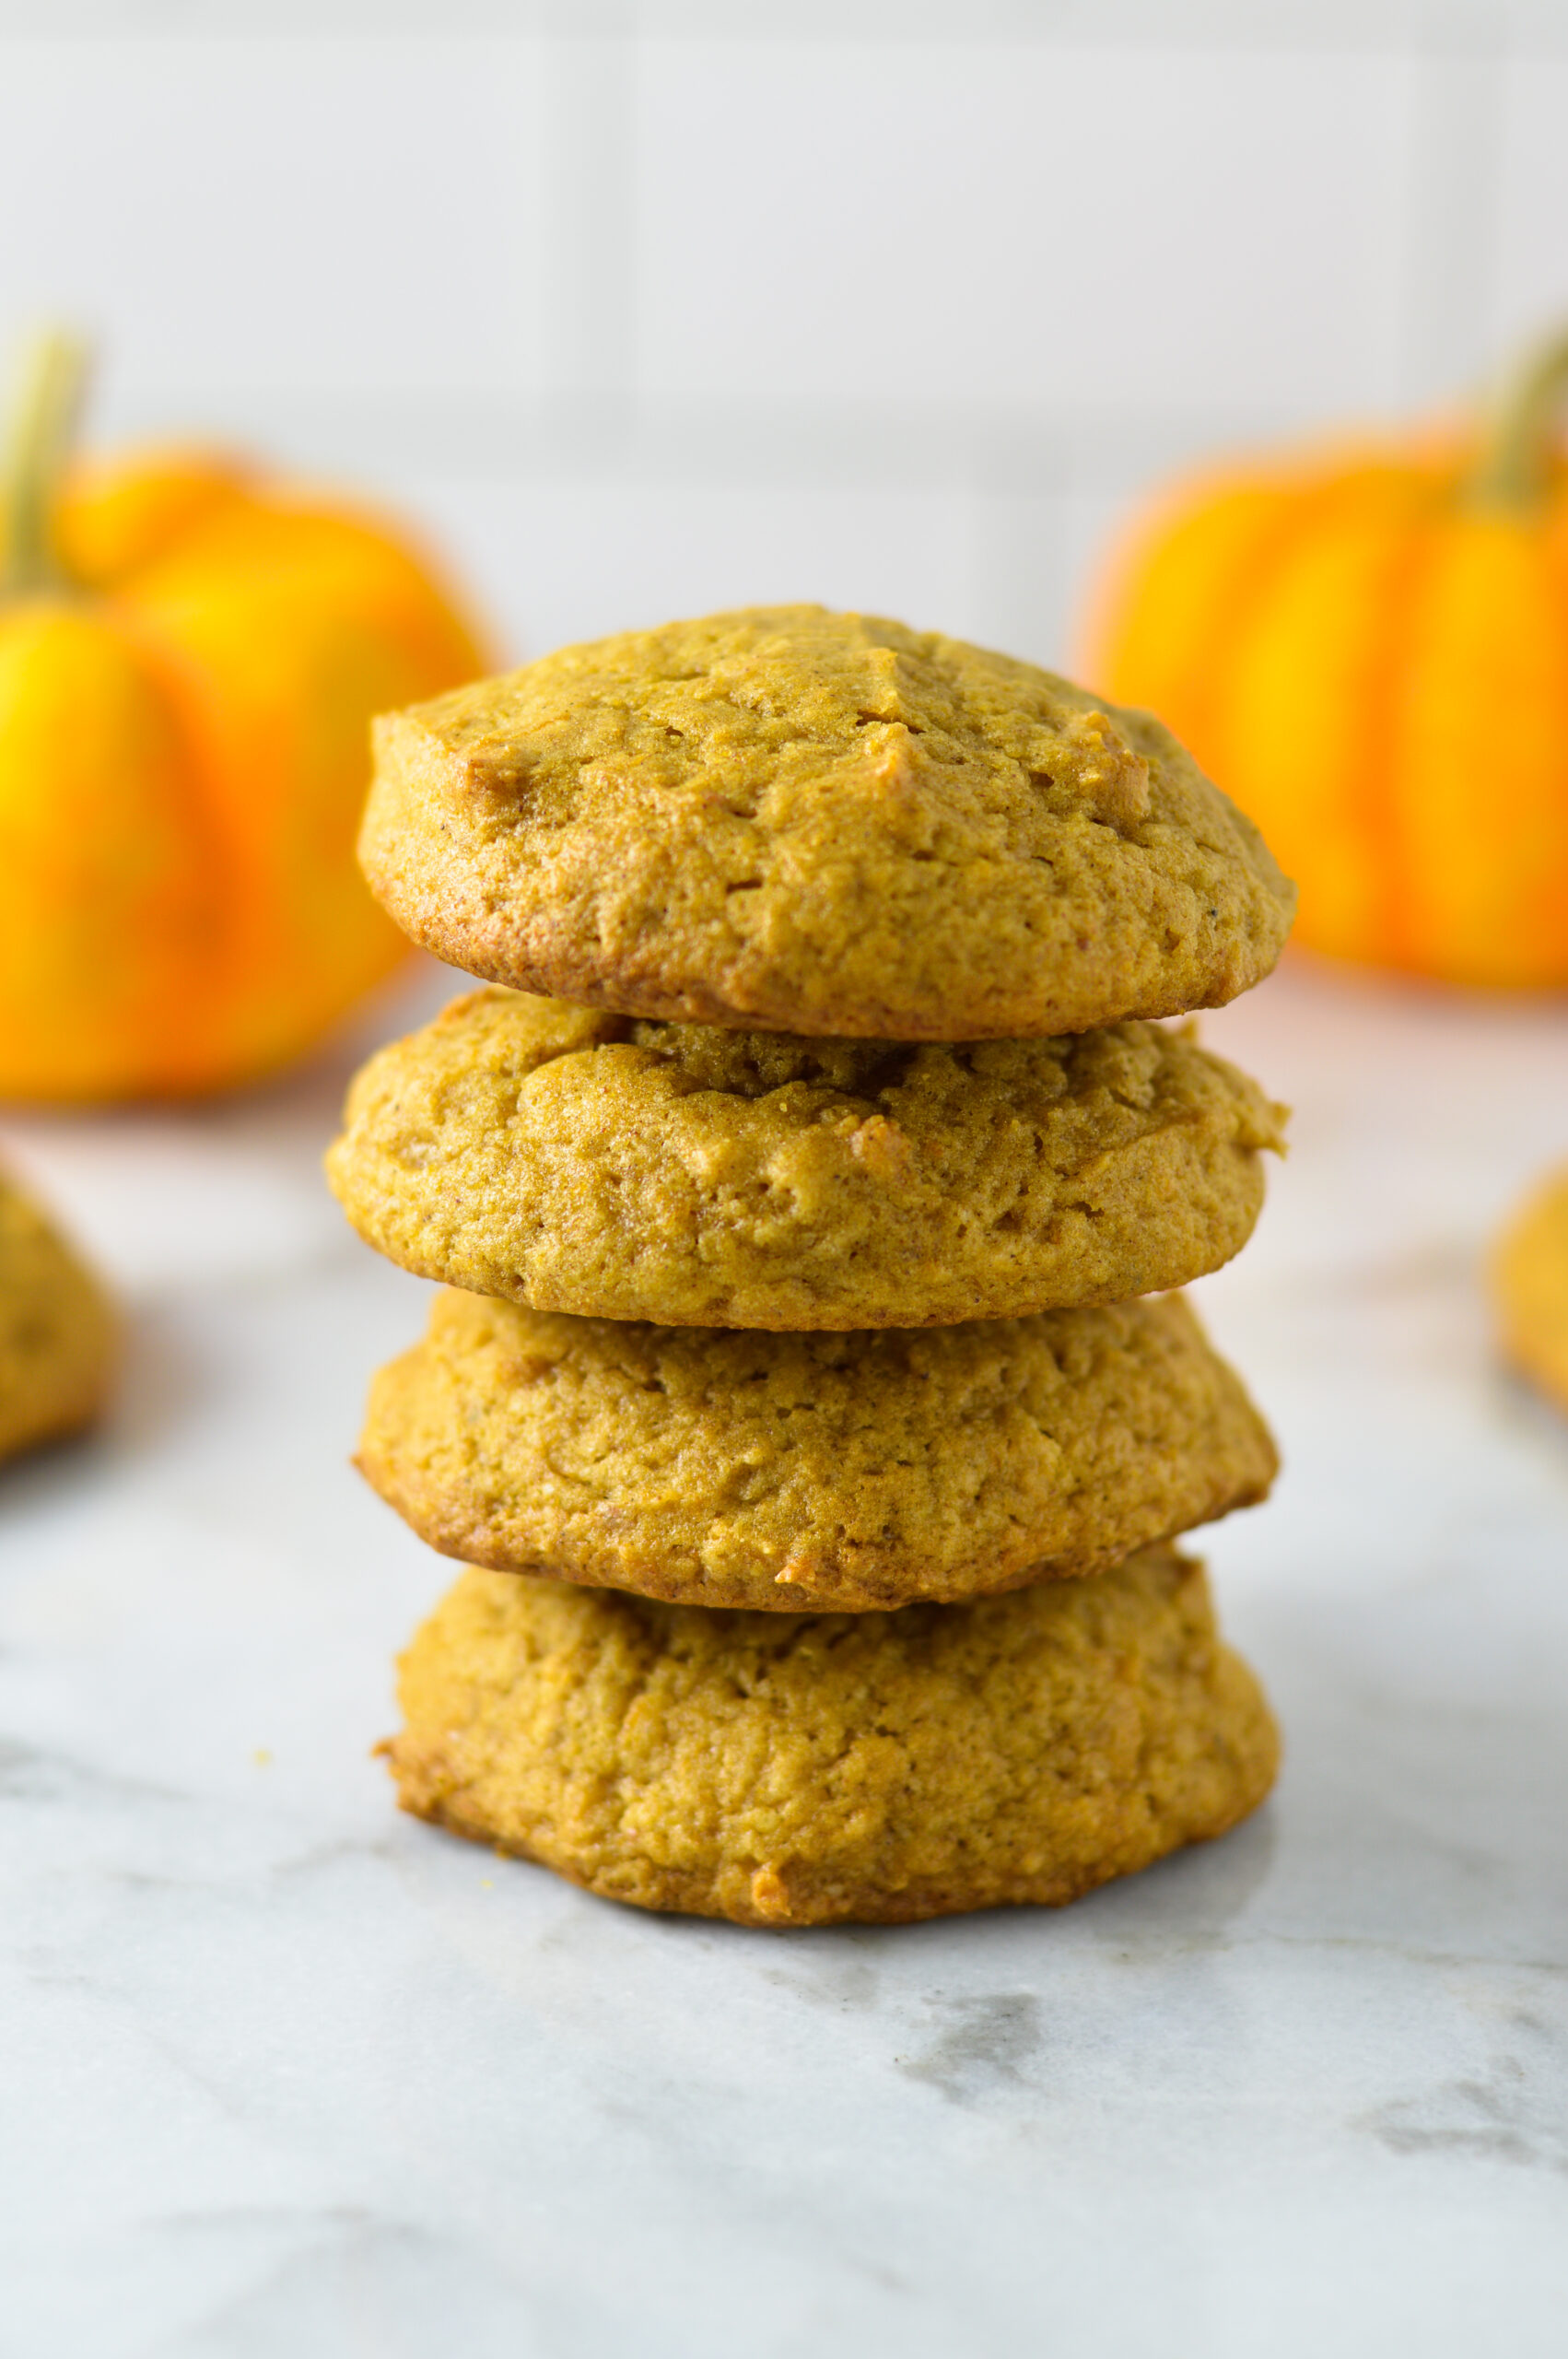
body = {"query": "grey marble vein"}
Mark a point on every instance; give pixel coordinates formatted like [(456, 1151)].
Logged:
[(286, 2074)]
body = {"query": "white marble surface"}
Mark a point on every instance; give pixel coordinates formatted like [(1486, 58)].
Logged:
[(286, 2073)]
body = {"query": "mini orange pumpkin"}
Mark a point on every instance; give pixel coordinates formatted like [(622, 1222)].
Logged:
[(189, 662), (1369, 651)]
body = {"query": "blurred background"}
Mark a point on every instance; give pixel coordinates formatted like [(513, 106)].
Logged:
[(635, 311), (648, 309)]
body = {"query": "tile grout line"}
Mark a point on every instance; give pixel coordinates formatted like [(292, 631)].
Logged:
[(1448, 259)]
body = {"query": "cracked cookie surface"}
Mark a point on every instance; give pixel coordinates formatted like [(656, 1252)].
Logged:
[(720, 1467), (695, 1176), (801, 1769), (789, 819)]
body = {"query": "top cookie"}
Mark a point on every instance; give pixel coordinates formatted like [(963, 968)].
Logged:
[(791, 819)]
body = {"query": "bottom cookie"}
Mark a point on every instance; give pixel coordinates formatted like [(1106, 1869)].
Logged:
[(809, 1769)]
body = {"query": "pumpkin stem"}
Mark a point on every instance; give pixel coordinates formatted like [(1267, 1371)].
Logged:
[(38, 444), (1519, 442)]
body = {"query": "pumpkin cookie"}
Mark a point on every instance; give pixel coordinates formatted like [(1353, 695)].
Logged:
[(57, 1330), (628, 1169), (825, 824), (804, 1769), (847, 1471), (1530, 1280)]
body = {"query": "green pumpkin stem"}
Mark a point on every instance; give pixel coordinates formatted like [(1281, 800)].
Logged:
[(37, 446), (1519, 440)]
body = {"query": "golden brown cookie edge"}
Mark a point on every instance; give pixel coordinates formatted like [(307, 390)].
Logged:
[(1241, 1721)]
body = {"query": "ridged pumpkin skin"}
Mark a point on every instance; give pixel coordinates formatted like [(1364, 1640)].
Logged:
[(1373, 661), (183, 753)]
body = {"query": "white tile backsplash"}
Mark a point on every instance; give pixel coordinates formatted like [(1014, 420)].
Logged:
[(986, 221), (257, 214), (574, 560), (1531, 256), (652, 305)]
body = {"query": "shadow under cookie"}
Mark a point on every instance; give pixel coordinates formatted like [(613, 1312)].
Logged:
[(822, 1768), (860, 1471)]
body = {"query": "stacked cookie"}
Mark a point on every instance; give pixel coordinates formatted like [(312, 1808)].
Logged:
[(1529, 1286), (57, 1329), (808, 1199)]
